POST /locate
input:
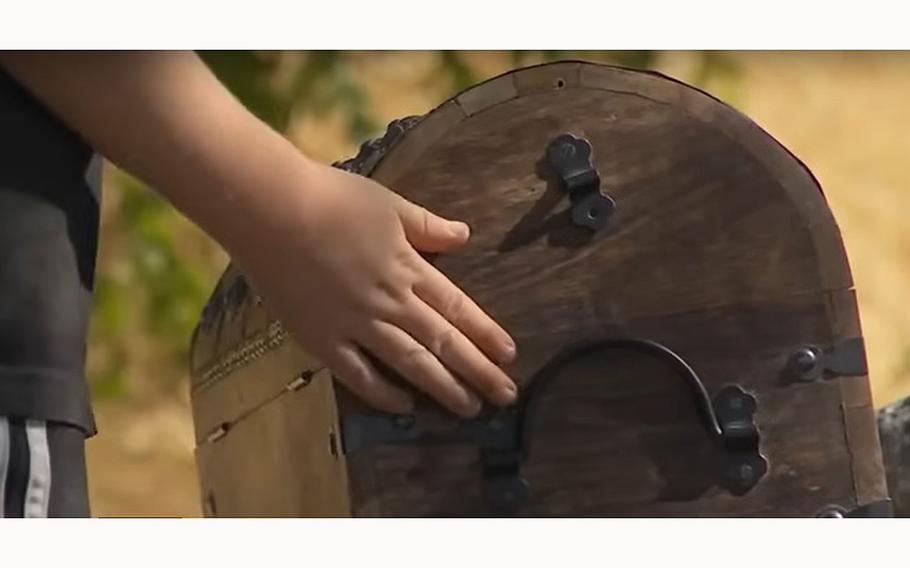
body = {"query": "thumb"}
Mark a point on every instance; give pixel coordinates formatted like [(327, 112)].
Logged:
[(428, 232)]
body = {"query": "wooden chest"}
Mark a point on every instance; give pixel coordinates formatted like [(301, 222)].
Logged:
[(687, 328)]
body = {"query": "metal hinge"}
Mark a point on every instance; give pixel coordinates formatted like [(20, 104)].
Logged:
[(571, 157), (845, 359), (360, 432)]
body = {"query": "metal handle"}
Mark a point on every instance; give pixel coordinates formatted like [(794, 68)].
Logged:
[(729, 419), (546, 375), (504, 437)]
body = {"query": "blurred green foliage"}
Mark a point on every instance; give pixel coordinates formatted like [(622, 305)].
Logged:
[(153, 280), (321, 82), (148, 298)]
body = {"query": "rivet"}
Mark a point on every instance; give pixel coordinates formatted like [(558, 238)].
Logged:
[(804, 361), (218, 433), (302, 380), (746, 472), (831, 512)]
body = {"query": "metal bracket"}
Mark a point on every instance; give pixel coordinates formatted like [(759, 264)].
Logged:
[(570, 157), (494, 434), (360, 432), (743, 465), (845, 359)]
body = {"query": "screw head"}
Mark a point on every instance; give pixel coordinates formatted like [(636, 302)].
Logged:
[(805, 361), (744, 475), (508, 494), (567, 150), (831, 512), (746, 472)]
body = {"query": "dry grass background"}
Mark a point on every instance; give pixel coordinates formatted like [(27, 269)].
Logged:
[(844, 114)]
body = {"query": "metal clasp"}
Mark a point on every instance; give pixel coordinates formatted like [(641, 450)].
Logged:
[(847, 358), (570, 157)]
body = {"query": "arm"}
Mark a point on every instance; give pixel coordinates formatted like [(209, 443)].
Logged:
[(340, 288)]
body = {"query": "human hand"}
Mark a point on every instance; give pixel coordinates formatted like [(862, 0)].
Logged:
[(346, 278)]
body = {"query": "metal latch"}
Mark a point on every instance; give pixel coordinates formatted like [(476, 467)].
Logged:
[(570, 157), (846, 359)]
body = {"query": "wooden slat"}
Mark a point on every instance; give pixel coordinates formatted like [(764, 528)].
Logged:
[(794, 177), (487, 94), (278, 461), (248, 388), (867, 462), (547, 78), (408, 151), (866, 454)]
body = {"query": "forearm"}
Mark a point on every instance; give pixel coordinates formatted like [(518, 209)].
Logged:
[(167, 120)]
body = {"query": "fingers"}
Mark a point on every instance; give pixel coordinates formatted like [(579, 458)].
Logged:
[(454, 350), (419, 366), (356, 372), (455, 306), (429, 232)]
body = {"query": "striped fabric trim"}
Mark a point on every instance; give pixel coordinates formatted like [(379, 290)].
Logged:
[(4, 461), (38, 493)]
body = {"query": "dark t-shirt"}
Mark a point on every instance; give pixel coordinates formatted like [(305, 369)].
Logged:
[(49, 214)]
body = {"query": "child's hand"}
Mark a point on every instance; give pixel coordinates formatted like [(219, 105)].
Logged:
[(346, 278)]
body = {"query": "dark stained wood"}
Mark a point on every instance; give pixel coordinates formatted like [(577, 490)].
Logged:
[(432, 127), (721, 247), (633, 421), (867, 462)]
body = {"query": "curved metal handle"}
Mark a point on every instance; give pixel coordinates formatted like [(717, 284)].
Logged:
[(729, 420), (550, 371), (504, 437)]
